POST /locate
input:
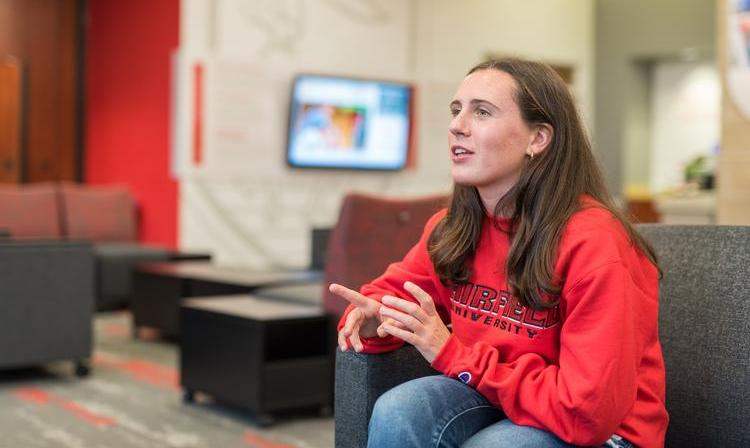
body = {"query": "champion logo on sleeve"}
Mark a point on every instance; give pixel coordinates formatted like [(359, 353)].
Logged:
[(464, 377)]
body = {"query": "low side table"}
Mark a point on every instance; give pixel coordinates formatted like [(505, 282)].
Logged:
[(260, 354), (160, 288)]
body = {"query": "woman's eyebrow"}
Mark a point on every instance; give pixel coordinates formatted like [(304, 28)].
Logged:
[(474, 102), (481, 101)]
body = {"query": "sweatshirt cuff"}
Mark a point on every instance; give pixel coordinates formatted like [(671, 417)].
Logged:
[(451, 351), (379, 345), (449, 360)]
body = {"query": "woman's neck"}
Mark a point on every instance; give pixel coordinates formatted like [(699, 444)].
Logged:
[(490, 196)]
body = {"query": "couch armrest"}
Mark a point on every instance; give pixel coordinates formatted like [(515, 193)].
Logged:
[(48, 297), (361, 379)]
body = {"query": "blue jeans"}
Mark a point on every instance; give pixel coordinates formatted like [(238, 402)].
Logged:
[(440, 412)]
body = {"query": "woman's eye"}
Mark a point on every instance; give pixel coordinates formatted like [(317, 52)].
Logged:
[(455, 112), (483, 113)]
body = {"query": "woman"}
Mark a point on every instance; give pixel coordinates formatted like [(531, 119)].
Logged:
[(551, 294)]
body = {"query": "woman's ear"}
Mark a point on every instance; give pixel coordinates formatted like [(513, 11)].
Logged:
[(541, 138)]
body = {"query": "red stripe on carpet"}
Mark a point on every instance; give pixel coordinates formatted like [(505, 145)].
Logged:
[(32, 395), (256, 441), (142, 370), (87, 415), (154, 374), (41, 397)]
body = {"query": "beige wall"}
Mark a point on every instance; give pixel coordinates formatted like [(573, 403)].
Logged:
[(733, 194)]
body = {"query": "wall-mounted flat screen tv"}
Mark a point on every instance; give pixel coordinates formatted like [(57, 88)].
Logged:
[(337, 122)]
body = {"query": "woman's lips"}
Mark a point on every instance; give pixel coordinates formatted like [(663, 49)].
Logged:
[(460, 154)]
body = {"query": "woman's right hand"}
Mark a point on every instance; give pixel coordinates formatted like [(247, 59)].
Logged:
[(362, 321)]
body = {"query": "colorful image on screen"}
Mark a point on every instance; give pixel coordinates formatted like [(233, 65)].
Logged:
[(329, 128), (339, 122)]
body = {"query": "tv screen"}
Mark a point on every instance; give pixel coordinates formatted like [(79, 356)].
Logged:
[(337, 122)]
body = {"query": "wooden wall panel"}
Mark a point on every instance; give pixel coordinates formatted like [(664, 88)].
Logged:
[(69, 115), (42, 126), (10, 119), (45, 36), (10, 32), (51, 46)]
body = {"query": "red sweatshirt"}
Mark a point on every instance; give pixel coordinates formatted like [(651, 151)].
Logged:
[(584, 370)]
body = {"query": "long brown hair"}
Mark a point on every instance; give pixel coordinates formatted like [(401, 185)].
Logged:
[(546, 195)]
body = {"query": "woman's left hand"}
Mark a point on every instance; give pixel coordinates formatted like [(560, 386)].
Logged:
[(423, 327)]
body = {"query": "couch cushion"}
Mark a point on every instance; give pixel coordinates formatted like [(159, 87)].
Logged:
[(98, 213), (30, 211)]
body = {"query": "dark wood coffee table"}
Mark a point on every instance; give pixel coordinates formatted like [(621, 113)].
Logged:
[(160, 287), (258, 353)]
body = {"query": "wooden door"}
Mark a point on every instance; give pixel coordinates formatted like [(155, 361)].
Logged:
[(46, 36)]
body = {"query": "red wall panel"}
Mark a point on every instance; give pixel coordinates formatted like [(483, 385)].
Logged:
[(129, 45)]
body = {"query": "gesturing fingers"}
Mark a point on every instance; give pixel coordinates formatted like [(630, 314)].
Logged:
[(347, 329), (354, 297), (404, 335), (354, 338), (405, 306), (424, 299), (407, 320), (381, 331), (342, 341)]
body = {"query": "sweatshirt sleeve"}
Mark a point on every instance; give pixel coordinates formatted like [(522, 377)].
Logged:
[(416, 267), (584, 398)]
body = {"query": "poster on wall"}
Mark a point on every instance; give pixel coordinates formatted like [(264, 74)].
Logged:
[(738, 54)]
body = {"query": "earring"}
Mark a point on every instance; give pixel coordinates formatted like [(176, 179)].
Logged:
[(531, 155)]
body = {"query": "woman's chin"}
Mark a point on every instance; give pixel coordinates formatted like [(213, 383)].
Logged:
[(464, 179), (462, 183)]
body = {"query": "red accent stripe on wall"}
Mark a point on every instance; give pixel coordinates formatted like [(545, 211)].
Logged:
[(129, 47), (198, 114), (411, 152)]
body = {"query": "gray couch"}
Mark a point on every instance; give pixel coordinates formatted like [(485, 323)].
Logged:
[(48, 301), (704, 325), (105, 215)]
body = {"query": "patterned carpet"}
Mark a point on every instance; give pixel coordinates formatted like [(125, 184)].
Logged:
[(132, 399)]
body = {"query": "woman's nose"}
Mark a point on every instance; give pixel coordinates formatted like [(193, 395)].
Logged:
[(458, 125)]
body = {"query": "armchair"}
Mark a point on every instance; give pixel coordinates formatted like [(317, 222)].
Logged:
[(703, 321), (371, 233)]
